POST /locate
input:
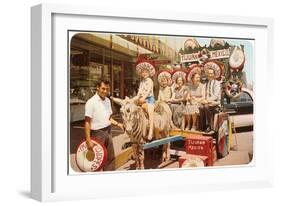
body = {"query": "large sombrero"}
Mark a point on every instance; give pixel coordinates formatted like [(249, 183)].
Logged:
[(179, 73), (219, 42), (164, 74), (216, 66), (194, 68), (193, 162), (237, 59), (145, 64), (91, 161), (191, 43)]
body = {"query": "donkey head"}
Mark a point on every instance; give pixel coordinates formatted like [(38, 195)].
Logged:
[(128, 111)]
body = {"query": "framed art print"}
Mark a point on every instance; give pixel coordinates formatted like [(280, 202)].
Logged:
[(127, 103)]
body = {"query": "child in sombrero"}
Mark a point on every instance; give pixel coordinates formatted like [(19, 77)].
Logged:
[(145, 95)]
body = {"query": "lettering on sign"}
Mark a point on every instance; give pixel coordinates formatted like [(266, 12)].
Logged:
[(217, 54)]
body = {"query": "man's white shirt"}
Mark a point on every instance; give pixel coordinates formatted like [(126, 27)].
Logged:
[(213, 91), (99, 111)]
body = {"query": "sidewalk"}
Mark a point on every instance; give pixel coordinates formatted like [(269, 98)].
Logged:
[(241, 153)]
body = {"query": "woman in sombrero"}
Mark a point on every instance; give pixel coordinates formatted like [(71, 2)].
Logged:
[(196, 94), (165, 91), (145, 95), (179, 91), (178, 98)]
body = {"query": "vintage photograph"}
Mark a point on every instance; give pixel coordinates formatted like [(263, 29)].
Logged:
[(141, 102)]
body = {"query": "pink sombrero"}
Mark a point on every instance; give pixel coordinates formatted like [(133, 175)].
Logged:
[(164, 74), (216, 66), (179, 73), (145, 64), (194, 68)]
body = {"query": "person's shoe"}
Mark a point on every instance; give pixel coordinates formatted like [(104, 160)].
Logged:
[(193, 129)]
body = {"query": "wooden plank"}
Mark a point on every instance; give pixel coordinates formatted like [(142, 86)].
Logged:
[(188, 133), (122, 158), (162, 141)]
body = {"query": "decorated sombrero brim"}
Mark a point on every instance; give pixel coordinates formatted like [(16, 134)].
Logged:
[(237, 59), (145, 64), (179, 73), (195, 68), (191, 43), (233, 88), (164, 74), (193, 162), (91, 160), (216, 66), (219, 42)]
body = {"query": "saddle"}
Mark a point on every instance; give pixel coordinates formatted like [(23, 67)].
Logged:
[(157, 108)]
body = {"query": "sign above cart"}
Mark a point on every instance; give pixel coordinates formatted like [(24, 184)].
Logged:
[(217, 54)]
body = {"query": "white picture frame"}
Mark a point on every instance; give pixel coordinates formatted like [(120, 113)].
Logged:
[(49, 176)]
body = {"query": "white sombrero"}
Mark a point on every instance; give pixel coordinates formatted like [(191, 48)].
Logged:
[(194, 68), (193, 162), (164, 74), (237, 59), (215, 42), (216, 66), (191, 43), (179, 73), (91, 161), (145, 64)]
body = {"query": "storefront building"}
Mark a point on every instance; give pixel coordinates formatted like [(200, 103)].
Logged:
[(112, 56)]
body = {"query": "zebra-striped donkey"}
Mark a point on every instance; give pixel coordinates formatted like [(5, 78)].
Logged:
[(136, 126)]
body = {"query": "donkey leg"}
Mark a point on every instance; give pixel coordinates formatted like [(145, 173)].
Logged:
[(166, 152), (141, 157), (135, 154), (168, 155), (150, 109), (166, 149), (163, 148), (163, 153)]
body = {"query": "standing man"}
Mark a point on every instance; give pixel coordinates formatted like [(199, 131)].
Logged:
[(211, 103), (98, 121)]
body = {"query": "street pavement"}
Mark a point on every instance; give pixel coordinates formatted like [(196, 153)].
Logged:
[(241, 152)]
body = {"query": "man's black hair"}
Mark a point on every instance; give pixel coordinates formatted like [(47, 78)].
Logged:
[(105, 81)]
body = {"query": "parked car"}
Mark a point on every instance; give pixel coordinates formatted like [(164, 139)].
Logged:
[(241, 110)]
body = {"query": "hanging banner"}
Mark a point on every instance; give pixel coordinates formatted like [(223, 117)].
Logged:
[(217, 54), (189, 57), (220, 54)]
